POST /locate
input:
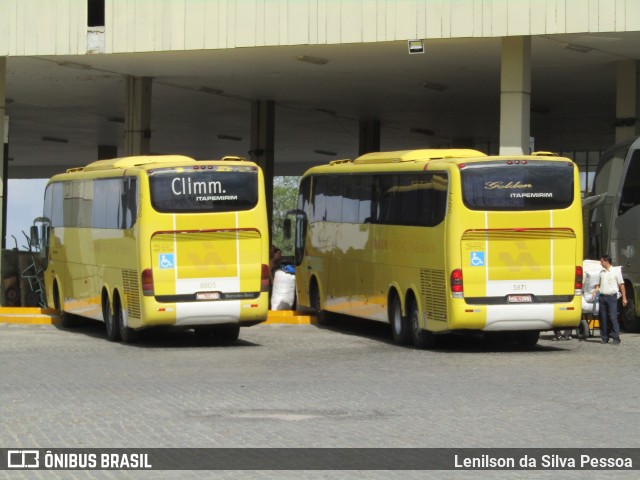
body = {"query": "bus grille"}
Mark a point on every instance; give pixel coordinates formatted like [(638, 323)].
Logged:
[(433, 287), (130, 283)]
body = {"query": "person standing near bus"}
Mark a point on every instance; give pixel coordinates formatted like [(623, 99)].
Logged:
[(610, 281)]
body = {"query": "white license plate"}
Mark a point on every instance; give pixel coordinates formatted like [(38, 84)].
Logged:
[(519, 299), (207, 295)]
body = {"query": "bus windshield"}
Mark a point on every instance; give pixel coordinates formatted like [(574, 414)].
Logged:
[(221, 189), (504, 187)]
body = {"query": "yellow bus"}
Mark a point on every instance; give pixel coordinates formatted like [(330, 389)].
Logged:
[(443, 240), (153, 241)]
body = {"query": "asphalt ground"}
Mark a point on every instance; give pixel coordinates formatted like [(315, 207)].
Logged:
[(304, 386)]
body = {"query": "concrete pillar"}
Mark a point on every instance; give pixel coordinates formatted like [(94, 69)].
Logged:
[(369, 136), (137, 123), (263, 115), (627, 100), (515, 96), (4, 161), (106, 152)]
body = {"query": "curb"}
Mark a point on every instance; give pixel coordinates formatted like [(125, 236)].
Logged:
[(47, 316), (28, 315)]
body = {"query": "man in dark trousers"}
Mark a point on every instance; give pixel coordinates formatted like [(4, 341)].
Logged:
[(610, 282)]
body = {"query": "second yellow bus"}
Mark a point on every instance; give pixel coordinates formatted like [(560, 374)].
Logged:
[(438, 241)]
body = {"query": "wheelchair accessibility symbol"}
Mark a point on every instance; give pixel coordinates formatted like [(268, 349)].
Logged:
[(166, 260), (477, 259)]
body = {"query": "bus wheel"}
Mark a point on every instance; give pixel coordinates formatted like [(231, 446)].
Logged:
[(421, 338), (322, 317), (527, 339), (399, 324), (112, 321), (67, 320), (127, 334), (228, 333), (630, 320)]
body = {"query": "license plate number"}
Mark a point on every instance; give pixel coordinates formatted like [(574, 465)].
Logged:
[(207, 295), (519, 298)]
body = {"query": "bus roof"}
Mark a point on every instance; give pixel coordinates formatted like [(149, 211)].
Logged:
[(391, 161), (124, 163), (413, 155), (129, 162)]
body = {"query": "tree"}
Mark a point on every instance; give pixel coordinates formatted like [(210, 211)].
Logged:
[(285, 197)]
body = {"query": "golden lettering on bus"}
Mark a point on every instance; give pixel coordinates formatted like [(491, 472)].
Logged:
[(508, 185)]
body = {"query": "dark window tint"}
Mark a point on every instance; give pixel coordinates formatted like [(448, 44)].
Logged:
[(100, 203), (174, 191), (318, 210), (536, 185), (350, 199), (417, 198)]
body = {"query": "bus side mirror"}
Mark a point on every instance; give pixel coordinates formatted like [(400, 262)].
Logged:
[(34, 238), (286, 228)]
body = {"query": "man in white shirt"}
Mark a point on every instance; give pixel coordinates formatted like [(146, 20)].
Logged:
[(610, 281)]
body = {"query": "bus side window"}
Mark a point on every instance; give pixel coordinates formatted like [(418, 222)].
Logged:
[(631, 189)]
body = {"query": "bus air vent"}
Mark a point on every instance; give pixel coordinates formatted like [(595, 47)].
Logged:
[(130, 283), (433, 289)]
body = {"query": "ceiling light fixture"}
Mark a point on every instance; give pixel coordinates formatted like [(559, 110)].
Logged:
[(324, 111), (77, 66), (435, 86), (314, 60), (212, 91), (422, 131), (326, 152), (222, 136), (55, 139), (415, 46), (575, 48)]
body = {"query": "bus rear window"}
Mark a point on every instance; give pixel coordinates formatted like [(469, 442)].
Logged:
[(211, 190), (536, 185)]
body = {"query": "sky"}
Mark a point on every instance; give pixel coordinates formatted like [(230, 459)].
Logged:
[(24, 204)]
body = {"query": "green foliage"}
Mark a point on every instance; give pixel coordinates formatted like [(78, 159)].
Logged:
[(285, 196)]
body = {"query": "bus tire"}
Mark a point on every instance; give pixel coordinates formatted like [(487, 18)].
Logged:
[(629, 319), (399, 324), (227, 333), (66, 319), (127, 334), (528, 338), (322, 317), (421, 338), (112, 321)]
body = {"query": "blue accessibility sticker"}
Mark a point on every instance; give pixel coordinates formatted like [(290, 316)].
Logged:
[(166, 260), (477, 259)]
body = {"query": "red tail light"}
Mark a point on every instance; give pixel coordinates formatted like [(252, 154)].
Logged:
[(457, 287), (147, 283), (578, 285), (265, 281)]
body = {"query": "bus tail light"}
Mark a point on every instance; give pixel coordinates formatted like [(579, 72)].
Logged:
[(147, 283), (578, 284), (265, 281), (457, 288)]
